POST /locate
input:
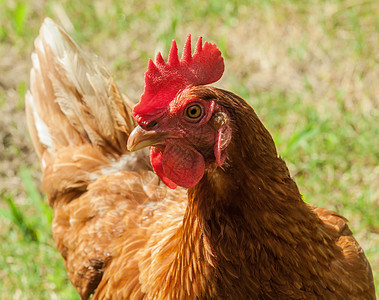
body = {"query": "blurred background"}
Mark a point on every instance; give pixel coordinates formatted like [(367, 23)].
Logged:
[(309, 68)]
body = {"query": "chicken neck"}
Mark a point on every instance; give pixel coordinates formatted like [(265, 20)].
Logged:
[(252, 219)]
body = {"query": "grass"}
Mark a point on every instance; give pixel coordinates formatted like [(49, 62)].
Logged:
[(309, 68), (29, 260)]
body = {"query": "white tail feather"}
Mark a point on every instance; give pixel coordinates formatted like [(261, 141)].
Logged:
[(72, 100), (42, 129)]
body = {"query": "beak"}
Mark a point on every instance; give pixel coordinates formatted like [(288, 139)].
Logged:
[(141, 138)]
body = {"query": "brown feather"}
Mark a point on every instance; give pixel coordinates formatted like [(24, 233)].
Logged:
[(295, 250)]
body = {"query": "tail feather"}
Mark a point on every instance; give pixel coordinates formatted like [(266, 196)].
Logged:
[(80, 123), (72, 100), (77, 117)]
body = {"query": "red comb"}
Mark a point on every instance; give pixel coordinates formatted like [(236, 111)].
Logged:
[(164, 80)]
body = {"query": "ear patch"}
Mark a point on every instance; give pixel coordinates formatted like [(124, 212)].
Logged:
[(220, 122)]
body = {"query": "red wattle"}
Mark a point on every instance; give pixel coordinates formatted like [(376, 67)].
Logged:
[(183, 164), (156, 161), (178, 165)]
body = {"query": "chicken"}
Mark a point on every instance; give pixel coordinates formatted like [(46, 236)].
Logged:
[(215, 215)]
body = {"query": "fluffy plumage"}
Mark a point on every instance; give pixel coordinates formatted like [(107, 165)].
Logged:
[(241, 231)]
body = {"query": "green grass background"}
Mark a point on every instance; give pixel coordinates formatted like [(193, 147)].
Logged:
[(309, 68)]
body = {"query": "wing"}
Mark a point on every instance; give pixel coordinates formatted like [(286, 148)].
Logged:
[(101, 194), (356, 274)]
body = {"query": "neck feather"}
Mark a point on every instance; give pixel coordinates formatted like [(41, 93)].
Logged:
[(253, 177), (250, 212)]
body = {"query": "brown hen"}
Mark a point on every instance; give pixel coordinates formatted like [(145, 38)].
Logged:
[(240, 231)]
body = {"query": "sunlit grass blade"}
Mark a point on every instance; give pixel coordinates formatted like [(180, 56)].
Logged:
[(35, 196), (20, 14), (19, 219)]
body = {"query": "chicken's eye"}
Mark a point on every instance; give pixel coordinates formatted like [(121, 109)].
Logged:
[(194, 112)]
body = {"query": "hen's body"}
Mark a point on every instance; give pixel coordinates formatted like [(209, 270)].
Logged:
[(123, 234)]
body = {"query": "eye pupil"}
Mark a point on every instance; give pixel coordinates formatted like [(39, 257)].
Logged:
[(194, 111)]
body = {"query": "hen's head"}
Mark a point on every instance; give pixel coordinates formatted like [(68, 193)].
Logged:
[(187, 129)]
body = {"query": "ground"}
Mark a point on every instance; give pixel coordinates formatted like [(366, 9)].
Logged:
[(309, 68)]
